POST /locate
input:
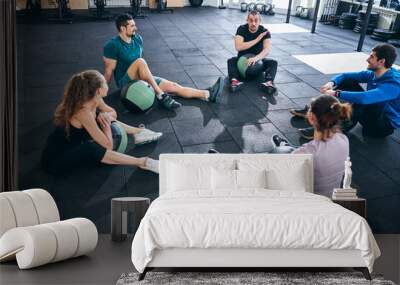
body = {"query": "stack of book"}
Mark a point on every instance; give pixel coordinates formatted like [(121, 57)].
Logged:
[(344, 194)]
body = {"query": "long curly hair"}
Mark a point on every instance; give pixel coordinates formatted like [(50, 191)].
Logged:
[(80, 88)]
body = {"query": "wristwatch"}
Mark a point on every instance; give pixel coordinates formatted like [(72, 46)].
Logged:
[(337, 93)]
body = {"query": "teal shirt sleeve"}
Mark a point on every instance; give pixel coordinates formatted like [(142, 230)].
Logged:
[(140, 39), (361, 77), (110, 51), (383, 92)]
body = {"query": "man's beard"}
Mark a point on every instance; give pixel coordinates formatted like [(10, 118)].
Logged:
[(253, 29), (372, 68)]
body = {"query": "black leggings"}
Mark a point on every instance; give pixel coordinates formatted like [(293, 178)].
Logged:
[(85, 153), (270, 67), (371, 117)]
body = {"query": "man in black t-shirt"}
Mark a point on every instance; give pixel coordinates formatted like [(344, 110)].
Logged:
[(255, 39)]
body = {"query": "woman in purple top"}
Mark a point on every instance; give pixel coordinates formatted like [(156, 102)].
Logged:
[(329, 148)]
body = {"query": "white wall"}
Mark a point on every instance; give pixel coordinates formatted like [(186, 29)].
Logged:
[(212, 3)]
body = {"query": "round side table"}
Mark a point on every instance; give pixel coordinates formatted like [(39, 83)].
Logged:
[(126, 210)]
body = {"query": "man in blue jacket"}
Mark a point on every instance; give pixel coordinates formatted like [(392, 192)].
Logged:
[(378, 108)]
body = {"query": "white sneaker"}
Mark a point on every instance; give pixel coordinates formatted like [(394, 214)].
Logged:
[(151, 165), (281, 145), (146, 136)]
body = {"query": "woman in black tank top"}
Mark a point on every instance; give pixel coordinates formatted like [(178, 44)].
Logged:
[(82, 131)]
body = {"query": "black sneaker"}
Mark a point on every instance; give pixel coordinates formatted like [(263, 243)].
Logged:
[(269, 89), (302, 113), (307, 133), (168, 102), (236, 85), (279, 141), (211, 150), (216, 90), (281, 145)]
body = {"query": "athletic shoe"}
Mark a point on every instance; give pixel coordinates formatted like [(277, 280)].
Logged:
[(216, 90), (281, 145), (168, 102), (279, 141), (236, 85), (211, 150), (151, 165), (146, 136), (307, 133), (302, 113), (270, 89)]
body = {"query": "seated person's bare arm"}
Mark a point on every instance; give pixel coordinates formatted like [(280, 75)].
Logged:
[(104, 108), (240, 44), (101, 136), (265, 51), (109, 66)]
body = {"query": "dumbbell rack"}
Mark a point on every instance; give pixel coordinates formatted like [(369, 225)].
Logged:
[(162, 7), (136, 9), (64, 14), (101, 13), (262, 8), (329, 10)]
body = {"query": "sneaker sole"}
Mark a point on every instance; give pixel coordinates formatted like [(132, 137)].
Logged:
[(149, 141), (266, 90), (305, 136), (220, 87), (236, 89), (148, 169), (177, 106), (297, 114), (170, 108), (273, 145)]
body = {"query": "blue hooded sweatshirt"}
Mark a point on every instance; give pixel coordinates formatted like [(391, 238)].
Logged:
[(383, 89)]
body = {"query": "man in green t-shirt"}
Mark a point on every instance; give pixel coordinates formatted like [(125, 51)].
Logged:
[(123, 58)]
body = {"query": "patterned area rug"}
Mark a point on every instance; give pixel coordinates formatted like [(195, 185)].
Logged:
[(242, 278)]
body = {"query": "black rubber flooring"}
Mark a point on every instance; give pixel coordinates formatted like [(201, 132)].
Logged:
[(191, 47)]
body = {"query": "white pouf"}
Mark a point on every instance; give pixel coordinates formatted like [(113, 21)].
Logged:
[(31, 230)]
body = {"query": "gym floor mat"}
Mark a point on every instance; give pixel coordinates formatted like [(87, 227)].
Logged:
[(285, 28), (332, 63)]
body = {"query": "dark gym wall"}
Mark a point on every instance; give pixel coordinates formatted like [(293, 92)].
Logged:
[(8, 97)]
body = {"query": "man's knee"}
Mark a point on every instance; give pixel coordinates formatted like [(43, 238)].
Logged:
[(232, 60), (350, 85), (139, 62), (270, 62)]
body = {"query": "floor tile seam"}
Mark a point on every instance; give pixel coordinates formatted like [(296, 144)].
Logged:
[(175, 134), (316, 89), (220, 141), (208, 142), (212, 116)]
